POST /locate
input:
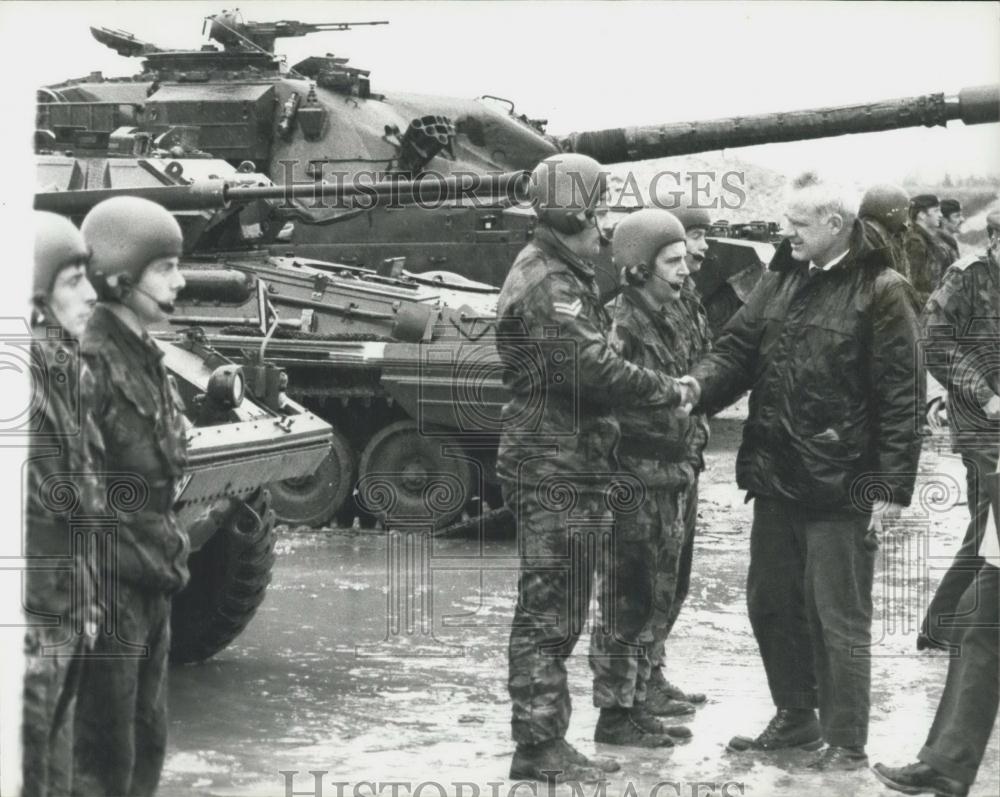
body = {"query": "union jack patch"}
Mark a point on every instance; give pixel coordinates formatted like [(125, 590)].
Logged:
[(571, 309)]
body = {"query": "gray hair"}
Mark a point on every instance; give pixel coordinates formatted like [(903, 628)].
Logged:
[(825, 196)]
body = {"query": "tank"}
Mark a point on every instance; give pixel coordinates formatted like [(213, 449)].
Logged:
[(325, 119)]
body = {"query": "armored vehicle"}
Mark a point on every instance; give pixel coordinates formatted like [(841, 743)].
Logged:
[(243, 435), (323, 119)]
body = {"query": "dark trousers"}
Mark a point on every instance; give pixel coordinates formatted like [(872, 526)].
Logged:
[(968, 707), (809, 596), (121, 717), (942, 611)]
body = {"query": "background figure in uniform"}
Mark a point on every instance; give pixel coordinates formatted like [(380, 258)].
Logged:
[(951, 225), (885, 210), (62, 457), (693, 341), (961, 330), (949, 761), (826, 344), (121, 728), (559, 435), (927, 255), (650, 251)]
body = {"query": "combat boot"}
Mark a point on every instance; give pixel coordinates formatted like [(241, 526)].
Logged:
[(920, 778), (660, 703), (623, 726), (789, 729), (556, 761), (679, 733), (658, 680)]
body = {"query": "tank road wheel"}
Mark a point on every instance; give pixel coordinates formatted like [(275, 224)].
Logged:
[(229, 577), (407, 476), (314, 499)]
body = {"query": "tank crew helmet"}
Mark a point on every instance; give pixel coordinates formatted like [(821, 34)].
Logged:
[(638, 239), (993, 222), (888, 205), (126, 234), (58, 245), (693, 218), (564, 186)]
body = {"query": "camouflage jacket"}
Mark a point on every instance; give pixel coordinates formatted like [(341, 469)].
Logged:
[(927, 258), (565, 379), (139, 412), (830, 360), (64, 492), (664, 339), (961, 336), (950, 243)]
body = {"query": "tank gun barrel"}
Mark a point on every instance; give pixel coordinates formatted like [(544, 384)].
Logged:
[(974, 105), (218, 194)]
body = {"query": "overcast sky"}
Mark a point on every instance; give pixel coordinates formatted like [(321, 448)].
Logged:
[(590, 65)]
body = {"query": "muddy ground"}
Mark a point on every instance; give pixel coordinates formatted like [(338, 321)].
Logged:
[(383, 683)]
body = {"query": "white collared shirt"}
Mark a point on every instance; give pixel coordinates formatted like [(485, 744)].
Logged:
[(831, 264)]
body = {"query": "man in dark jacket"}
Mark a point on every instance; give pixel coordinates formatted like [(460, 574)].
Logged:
[(826, 346), (951, 225), (63, 495), (927, 255), (556, 457), (121, 729), (961, 330)]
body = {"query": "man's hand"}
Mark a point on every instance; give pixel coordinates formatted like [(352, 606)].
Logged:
[(992, 408), (883, 512), (937, 414), (690, 394)]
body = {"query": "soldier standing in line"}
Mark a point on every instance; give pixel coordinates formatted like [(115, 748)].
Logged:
[(649, 248), (62, 458), (927, 256), (121, 723), (884, 210), (559, 435), (967, 302), (693, 340), (951, 225), (961, 328)]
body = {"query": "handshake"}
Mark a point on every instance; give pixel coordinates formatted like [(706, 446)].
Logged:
[(690, 392)]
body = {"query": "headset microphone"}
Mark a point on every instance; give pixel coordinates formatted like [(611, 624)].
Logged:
[(166, 307)]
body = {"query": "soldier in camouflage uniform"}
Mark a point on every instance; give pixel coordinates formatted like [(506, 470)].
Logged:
[(61, 604), (121, 728), (556, 457), (965, 311), (927, 255), (884, 211), (961, 328), (649, 248), (689, 323)]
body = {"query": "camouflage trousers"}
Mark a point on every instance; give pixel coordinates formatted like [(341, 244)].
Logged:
[(631, 590), (121, 718), (557, 551), (51, 680), (672, 584)]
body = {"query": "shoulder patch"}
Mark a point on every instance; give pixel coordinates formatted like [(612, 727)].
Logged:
[(571, 309)]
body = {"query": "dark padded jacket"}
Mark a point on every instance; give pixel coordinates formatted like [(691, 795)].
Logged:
[(837, 392)]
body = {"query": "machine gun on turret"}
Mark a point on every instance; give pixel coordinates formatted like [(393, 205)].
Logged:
[(233, 33)]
